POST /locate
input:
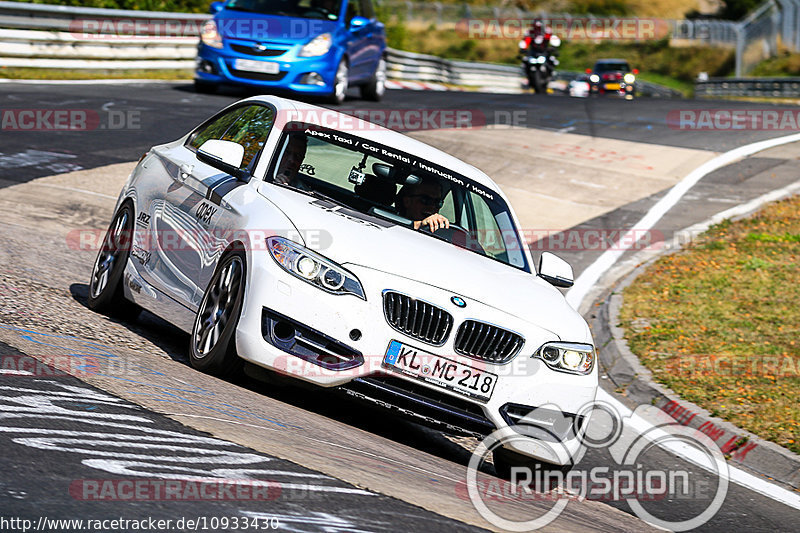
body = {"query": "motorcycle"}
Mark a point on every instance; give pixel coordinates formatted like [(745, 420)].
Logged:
[(539, 68), (540, 63)]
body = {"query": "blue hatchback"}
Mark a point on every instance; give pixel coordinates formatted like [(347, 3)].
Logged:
[(313, 47)]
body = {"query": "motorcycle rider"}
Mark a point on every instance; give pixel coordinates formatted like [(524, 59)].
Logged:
[(539, 41)]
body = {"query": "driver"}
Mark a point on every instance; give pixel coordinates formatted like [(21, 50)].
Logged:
[(328, 6), (292, 159), (421, 203)]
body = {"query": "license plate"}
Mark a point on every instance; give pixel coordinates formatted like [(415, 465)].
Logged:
[(264, 67), (440, 371), (612, 86)]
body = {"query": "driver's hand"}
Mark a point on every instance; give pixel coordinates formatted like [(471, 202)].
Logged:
[(434, 222)]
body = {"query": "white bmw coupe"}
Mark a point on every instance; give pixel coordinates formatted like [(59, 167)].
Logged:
[(338, 252)]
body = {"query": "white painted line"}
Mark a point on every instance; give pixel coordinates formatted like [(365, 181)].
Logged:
[(740, 477), (588, 184), (8, 372), (592, 274), (72, 189)]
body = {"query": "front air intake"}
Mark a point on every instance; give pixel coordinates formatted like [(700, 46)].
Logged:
[(486, 342), (416, 318)]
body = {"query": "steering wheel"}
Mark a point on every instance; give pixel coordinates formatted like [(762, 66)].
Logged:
[(457, 235)]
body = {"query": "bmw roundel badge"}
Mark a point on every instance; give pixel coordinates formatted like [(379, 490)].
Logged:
[(459, 302)]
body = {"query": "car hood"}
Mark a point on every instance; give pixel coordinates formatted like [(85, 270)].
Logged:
[(270, 28), (352, 238)]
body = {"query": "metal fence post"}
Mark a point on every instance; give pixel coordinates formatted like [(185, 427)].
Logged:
[(796, 27), (740, 31)]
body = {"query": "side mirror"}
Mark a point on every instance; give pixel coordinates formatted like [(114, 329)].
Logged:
[(555, 270), (358, 22), (636, 71), (224, 155), (216, 7)]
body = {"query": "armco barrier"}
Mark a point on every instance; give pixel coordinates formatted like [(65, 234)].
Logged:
[(753, 87)]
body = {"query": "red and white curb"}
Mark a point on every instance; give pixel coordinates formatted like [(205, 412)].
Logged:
[(419, 86)]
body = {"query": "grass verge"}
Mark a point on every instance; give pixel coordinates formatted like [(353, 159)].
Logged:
[(21, 73), (719, 323)]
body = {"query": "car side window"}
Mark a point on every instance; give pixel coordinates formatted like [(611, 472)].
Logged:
[(248, 126), (216, 129), (367, 10), (487, 230), (251, 130), (448, 209), (353, 9)]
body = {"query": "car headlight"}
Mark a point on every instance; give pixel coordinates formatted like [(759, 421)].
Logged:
[(210, 36), (594, 78), (313, 268), (629, 78), (318, 46), (570, 357)]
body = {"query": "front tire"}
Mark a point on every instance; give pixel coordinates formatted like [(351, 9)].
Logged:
[(205, 87), (213, 340), (106, 293), (375, 89), (538, 81), (340, 83)]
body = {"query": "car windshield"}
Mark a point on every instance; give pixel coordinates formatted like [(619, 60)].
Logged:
[(617, 66), (309, 9), (392, 185)]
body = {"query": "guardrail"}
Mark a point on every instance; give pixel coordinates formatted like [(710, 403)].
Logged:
[(754, 87), (421, 67)]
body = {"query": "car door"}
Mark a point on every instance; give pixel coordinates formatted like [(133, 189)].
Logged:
[(191, 223), (358, 40), (376, 38)]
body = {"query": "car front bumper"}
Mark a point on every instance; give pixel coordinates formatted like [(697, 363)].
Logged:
[(358, 327), (218, 66)]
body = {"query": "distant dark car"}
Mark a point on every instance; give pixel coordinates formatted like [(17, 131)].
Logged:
[(613, 76)]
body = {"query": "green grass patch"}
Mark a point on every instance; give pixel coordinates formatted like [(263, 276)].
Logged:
[(92, 74), (719, 323), (784, 65)]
